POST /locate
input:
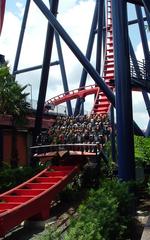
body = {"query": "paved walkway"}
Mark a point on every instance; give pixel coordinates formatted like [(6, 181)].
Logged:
[(146, 232)]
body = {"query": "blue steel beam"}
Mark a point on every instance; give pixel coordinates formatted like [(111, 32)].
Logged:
[(45, 72), (63, 72), (24, 21), (84, 61), (34, 68), (146, 54), (113, 135), (148, 22), (125, 140), (147, 18), (104, 28), (138, 73), (88, 56), (100, 7), (77, 52), (135, 21), (146, 4), (138, 2), (143, 34)]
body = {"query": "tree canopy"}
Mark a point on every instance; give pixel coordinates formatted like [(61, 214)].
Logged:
[(12, 96)]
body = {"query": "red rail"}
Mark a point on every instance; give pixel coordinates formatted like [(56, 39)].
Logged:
[(31, 200), (101, 104), (73, 94), (2, 11)]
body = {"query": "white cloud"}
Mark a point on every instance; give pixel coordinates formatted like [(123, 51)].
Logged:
[(139, 107), (75, 18), (139, 51), (139, 110), (20, 8), (9, 37)]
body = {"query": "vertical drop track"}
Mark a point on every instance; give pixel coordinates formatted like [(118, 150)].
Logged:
[(102, 104)]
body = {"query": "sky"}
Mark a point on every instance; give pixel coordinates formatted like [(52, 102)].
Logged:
[(76, 17)]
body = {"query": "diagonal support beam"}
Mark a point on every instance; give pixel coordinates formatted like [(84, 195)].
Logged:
[(88, 56), (143, 34), (15, 68), (83, 60), (146, 4), (63, 71), (138, 73)]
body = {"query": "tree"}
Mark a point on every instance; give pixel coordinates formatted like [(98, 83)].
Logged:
[(13, 102)]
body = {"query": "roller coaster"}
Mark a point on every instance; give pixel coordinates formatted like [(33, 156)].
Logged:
[(114, 82)]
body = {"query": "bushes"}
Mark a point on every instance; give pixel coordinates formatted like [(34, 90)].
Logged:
[(9, 178), (148, 186), (105, 214), (142, 150), (49, 234)]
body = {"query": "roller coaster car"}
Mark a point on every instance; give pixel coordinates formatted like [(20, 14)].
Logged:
[(49, 106)]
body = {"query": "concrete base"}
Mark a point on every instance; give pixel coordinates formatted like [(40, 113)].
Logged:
[(146, 232)]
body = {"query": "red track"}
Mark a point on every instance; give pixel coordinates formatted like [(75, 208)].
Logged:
[(31, 200), (102, 104), (2, 11), (73, 94)]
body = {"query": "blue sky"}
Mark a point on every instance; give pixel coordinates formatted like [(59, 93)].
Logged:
[(76, 17), (11, 5)]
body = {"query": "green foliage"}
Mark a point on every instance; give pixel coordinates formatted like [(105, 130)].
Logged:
[(10, 178), (12, 96), (148, 186), (142, 150), (110, 166), (104, 215), (49, 234)]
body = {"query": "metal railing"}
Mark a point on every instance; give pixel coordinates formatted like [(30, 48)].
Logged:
[(83, 147), (140, 70)]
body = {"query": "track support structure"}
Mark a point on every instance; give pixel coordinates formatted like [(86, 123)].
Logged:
[(125, 141)]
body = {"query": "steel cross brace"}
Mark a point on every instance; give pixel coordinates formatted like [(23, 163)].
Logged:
[(77, 52)]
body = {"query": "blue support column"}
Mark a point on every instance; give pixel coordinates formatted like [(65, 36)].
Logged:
[(63, 72), (100, 6), (80, 56), (125, 140), (88, 56), (45, 73), (21, 36), (113, 135), (104, 29)]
